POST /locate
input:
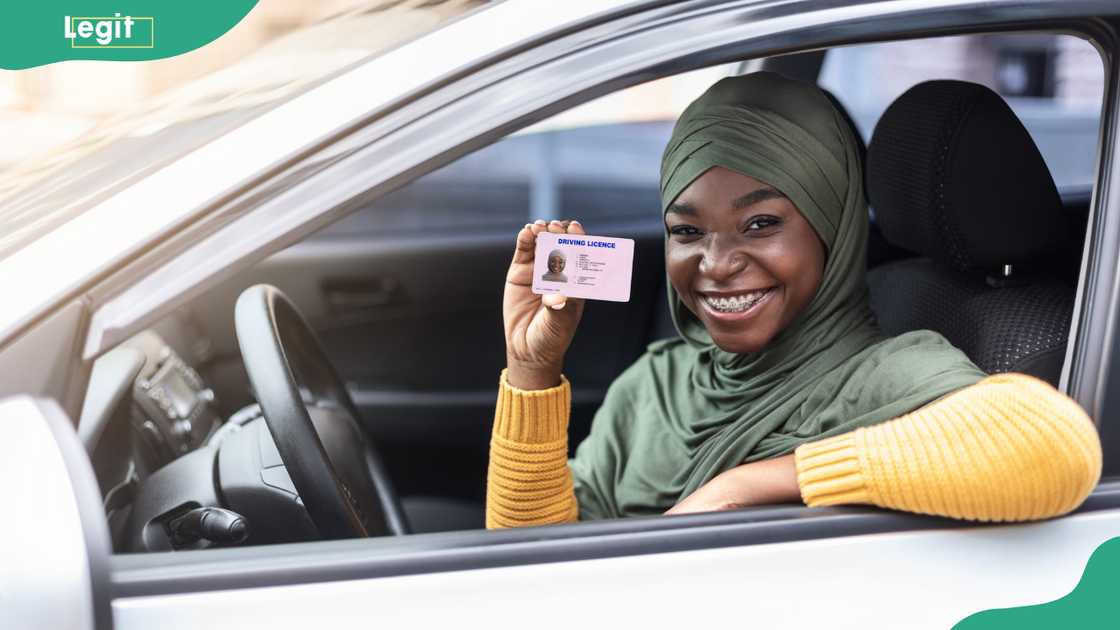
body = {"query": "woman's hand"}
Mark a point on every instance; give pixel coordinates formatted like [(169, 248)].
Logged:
[(758, 483), (539, 328)]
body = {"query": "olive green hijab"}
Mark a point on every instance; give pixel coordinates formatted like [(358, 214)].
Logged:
[(687, 410)]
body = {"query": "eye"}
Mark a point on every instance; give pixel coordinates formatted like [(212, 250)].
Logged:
[(761, 223), (683, 230)]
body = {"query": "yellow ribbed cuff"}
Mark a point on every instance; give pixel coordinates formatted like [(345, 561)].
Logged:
[(529, 482), (535, 416), (829, 473)]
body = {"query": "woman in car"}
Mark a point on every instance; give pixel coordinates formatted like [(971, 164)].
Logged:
[(780, 387)]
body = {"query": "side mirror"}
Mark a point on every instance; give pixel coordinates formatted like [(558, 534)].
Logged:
[(54, 538)]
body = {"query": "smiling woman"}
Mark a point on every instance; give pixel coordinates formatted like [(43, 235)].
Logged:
[(747, 267), (781, 386)]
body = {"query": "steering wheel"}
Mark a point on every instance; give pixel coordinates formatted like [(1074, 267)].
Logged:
[(334, 466)]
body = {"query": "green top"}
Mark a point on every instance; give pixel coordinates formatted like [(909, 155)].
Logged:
[(686, 410)]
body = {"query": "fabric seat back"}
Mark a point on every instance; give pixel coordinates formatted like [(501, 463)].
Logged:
[(953, 176)]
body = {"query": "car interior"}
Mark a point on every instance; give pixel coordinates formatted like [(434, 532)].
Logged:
[(970, 237)]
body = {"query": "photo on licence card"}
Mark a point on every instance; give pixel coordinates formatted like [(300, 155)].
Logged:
[(582, 266)]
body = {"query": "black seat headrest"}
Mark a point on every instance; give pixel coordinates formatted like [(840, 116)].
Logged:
[(953, 175)]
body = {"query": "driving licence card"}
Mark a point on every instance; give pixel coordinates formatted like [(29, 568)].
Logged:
[(576, 265)]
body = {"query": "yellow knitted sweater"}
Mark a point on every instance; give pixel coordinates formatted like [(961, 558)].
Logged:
[(1009, 448)]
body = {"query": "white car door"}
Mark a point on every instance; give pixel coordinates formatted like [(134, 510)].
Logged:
[(914, 579)]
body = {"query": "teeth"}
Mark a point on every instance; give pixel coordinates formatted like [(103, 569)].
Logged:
[(736, 303)]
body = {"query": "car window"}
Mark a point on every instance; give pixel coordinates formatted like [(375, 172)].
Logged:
[(1054, 83), (599, 162)]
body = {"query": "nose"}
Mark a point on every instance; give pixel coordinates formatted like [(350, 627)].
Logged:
[(722, 259)]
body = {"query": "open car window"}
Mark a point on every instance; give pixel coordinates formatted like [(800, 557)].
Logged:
[(599, 160)]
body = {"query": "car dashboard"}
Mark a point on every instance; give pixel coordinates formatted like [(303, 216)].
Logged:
[(145, 408)]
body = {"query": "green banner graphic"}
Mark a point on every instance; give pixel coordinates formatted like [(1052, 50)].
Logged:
[(1091, 604), (47, 31)]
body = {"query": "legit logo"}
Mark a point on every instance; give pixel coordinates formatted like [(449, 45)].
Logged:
[(111, 32)]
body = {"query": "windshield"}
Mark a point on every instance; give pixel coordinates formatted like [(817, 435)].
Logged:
[(46, 189)]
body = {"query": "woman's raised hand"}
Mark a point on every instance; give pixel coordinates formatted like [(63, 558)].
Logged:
[(539, 328)]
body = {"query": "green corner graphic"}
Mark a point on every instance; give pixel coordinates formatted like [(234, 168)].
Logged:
[(47, 31), (1091, 604)]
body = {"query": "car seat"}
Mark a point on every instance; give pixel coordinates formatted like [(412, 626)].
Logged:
[(954, 176)]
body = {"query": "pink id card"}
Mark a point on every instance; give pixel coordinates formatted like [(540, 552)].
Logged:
[(576, 265)]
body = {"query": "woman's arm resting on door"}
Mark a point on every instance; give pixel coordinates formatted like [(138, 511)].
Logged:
[(1009, 448), (757, 483)]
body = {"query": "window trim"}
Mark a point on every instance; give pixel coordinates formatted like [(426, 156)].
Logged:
[(167, 573), (1091, 364)]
